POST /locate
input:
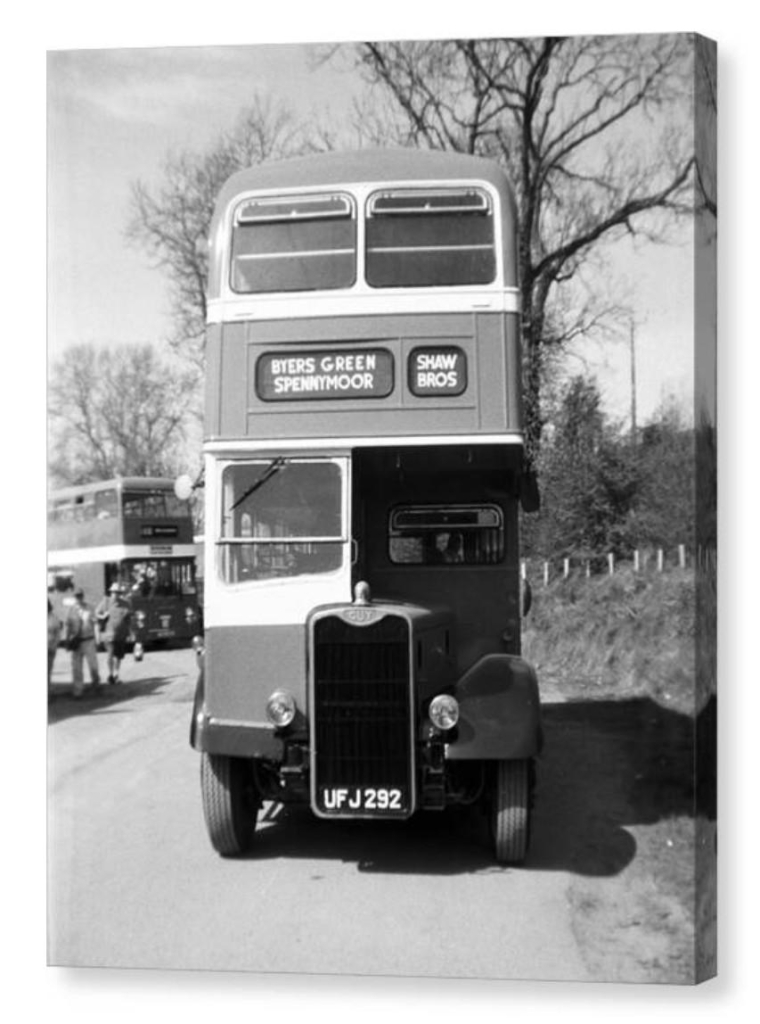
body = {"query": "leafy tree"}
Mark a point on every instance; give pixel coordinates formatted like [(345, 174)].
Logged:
[(600, 493), (172, 221), (585, 486), (592, 131), (664, 514), (117, 412)]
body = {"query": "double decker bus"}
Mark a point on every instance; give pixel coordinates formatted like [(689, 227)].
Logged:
[(133, 531), (364, 463)]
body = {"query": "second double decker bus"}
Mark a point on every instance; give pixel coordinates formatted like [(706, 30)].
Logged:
[(363, 467), (133, 531)]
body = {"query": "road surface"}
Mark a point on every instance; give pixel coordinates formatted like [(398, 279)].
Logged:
[(134, 882)]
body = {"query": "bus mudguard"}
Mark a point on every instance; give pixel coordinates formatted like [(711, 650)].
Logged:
[(235, 740), (199, 714), (499, 711)]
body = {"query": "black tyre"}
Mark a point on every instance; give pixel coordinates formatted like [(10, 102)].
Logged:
[(230, 803), (511, 811)]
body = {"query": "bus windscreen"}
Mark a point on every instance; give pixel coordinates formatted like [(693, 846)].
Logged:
[(282, 518)]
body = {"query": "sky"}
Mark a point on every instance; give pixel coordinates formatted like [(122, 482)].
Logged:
[(114, 115)]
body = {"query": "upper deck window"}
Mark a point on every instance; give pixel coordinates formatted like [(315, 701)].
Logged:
[(106, 504), (153, 505), (294, 243), (427, 237), (78, 509)]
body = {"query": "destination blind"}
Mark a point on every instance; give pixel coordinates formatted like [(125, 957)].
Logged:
[(328, 374)]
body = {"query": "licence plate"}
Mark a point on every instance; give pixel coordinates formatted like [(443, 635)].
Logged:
[(362, 800)]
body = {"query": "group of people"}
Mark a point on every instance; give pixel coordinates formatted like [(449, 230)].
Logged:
[(83, 628)]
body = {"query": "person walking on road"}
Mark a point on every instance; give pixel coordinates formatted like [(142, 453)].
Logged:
[(114, 615), (53, 636), (80, 640)]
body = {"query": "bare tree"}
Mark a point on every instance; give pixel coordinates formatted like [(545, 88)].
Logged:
[(593, 131), (706, 116), (172, 221), (117, 412)]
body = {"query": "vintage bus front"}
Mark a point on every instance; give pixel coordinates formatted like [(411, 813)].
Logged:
[(158, 571), (364, 464)]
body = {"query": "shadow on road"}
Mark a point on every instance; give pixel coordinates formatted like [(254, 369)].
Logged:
[(609, 766), (64, 705), (450, 843), (606, 766)]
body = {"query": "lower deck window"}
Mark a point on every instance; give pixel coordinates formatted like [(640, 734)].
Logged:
[(280, 517), (446, 535), (61, 580), (157, 578)]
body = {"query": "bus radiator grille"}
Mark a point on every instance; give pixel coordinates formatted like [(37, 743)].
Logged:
[(361, 714)]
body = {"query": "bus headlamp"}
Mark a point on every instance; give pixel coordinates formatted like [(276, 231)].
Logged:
[(140, 619), (444, 711), (189, 614), (281, 708)]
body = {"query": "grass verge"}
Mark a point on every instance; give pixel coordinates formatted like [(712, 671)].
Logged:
[(619, 660)]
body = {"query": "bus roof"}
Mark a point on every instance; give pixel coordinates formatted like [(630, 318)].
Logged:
[(367, 165), (132, 483)]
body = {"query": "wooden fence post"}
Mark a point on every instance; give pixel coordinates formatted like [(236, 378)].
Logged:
[(641, 558)]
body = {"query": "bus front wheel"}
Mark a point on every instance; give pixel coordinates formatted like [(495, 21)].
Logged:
[(230, 803), (510, 811)]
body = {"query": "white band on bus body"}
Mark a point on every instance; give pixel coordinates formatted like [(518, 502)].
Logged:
[(339, 445), (119, 552), (362, 302)]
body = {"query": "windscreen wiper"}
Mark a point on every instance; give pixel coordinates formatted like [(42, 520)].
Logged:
[(274, 467)]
